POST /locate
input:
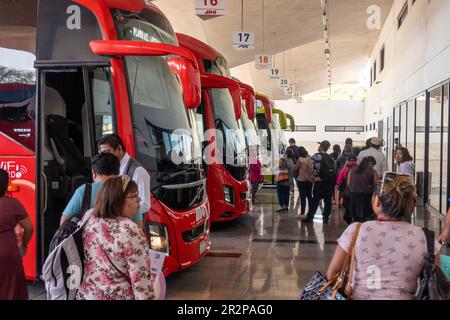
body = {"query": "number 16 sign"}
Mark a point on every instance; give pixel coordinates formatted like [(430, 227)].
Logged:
[(210, 8)]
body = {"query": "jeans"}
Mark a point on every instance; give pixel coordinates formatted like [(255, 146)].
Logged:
[(321, 190), (305, 190), (283, 195), (254, 190)]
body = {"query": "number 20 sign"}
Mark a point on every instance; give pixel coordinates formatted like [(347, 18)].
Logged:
[(244, 40)]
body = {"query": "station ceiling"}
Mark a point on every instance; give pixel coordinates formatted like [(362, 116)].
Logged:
[(293, 26), (18, 24)]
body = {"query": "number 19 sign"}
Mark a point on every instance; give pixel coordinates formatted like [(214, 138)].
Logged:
[(209, 8), (244, 40)]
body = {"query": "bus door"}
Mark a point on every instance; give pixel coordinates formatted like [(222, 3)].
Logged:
[(74, 108), (75, 111)]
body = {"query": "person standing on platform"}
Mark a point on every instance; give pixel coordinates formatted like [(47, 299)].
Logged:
[(256, 178), (336, 152), (375, 152), (284, 180), (405, 162), (324, 170), (361, 181), (305, 179), (12, 212), (129, 166)]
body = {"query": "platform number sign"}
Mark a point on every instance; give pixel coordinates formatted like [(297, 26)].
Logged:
[(289, 90), (243, 40), (263, 62), (209, 8), (284, 83), (274, 73)]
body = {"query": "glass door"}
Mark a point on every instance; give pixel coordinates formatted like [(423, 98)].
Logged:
[(420, 147), (434, 148)]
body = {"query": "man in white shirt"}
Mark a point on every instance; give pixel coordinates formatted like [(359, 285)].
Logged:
[(374, 151), (129, 166)]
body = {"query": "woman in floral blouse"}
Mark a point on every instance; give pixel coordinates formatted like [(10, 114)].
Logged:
[(116, 261)]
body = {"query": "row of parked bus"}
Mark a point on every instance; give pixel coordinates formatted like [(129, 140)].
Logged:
[(117, 66)]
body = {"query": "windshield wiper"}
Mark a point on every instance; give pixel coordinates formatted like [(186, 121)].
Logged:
[(170, 176)]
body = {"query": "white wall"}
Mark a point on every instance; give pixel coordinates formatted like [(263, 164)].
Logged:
[(321, 114), (417, 55)]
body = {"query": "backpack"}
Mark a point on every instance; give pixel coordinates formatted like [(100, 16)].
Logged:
[(63, 269), (283, 172), (328, 169), (344, 188), (71, 225)]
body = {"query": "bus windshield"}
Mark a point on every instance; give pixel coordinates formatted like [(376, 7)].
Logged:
[(251, 136), (232, 133), (166, 136), (278, 133)]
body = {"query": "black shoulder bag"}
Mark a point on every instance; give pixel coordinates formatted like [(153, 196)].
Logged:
[(433, 285)]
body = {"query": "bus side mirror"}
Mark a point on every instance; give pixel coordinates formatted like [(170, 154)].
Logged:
[(190, 80), (235, 92)]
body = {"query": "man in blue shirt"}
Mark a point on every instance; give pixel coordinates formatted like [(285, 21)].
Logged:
[(104, 166)]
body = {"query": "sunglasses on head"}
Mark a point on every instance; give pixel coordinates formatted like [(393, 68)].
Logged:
[(388, 177), (125, 182)]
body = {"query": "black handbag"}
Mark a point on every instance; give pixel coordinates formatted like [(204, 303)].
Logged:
[(338, 288), (319, 288), (433, 284)]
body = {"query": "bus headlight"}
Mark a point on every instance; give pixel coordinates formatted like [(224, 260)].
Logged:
[(228, 194), (159, 237)]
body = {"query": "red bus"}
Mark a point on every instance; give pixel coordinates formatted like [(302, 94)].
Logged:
[(220, 112), (249, 115), (106, 66)]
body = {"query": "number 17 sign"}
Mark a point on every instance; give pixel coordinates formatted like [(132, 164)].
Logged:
[(244, 40)]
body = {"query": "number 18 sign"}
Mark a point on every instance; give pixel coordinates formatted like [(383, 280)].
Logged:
[(263, 62), (243, 40)]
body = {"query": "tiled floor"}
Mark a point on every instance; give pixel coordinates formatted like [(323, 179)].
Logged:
[(278, 255), (264, 255)]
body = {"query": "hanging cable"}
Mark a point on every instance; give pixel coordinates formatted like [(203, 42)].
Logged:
[(263, 26), (289, 64), (242, 15), (274, 51)]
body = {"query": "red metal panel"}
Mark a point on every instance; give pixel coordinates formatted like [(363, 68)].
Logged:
[(200, 49), (248, 94)]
